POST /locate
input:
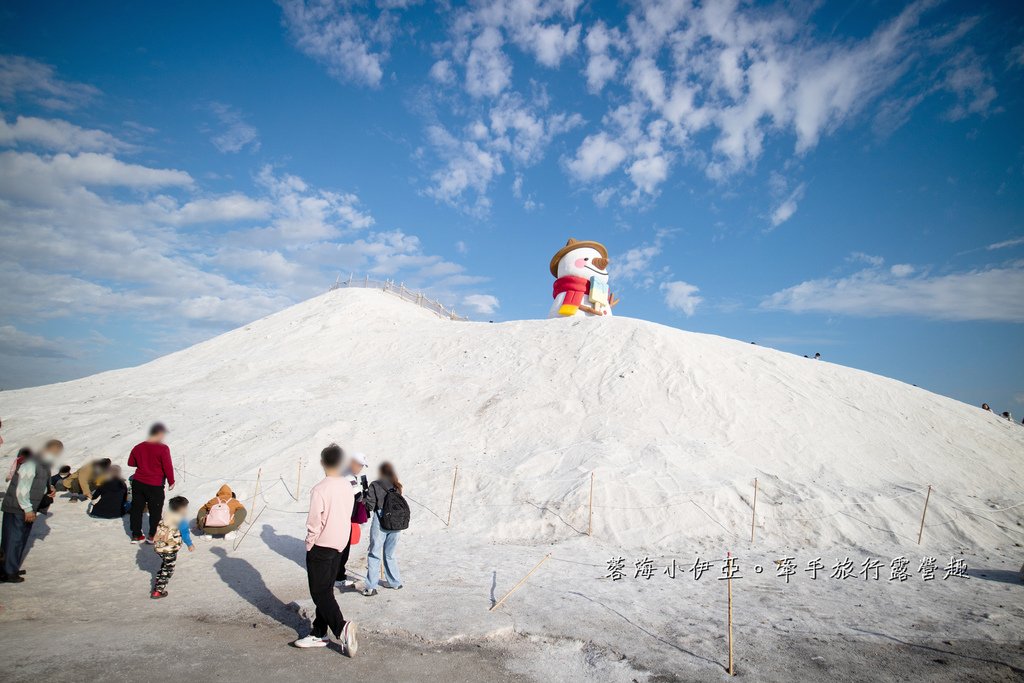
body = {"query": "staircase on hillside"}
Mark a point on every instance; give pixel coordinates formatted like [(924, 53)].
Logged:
[(399, 290)]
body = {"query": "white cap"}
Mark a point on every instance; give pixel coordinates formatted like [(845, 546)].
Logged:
[(360, 458)]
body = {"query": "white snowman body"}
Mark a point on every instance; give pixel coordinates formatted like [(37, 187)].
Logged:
[(580, 263)]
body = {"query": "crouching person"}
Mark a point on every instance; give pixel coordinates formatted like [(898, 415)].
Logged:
[(110, 498), (83, 481), (171, 533), (221, 515), (328, 527)]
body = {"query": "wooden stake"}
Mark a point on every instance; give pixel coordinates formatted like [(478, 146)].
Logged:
[(246, 532), (452, 500), (521, 582), (753, 514), (920, 531), (590, 513), (728, 582), (256, 491), (298, 480)]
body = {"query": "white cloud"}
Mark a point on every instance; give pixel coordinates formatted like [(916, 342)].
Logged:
[(25, 78), (524, 133), (635, 263), (442, 72), (710, 85), (350, 39), (784, 211), (461, 247), (232, 207), (14, 342), (861, 257), (601, 65), (57, 135), (488, 70), (29, 176), (235, 134), (971, 83), (75, 244), (483, 304), (513, 132), (991, 294), (1006, 244), (681, 296), (468, 169), (902, 270), (597, 156), (551, 43)]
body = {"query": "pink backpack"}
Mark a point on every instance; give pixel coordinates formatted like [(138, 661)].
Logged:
[(219, 515)]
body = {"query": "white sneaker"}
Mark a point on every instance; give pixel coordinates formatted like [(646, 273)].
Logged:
[(206, 537), (230, 535), (311, 641), (348, 583), (348, 635)]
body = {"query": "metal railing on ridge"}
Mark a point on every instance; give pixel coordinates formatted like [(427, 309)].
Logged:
[(401, 291)]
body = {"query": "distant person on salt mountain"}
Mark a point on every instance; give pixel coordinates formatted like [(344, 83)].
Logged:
[(328, 528), (25, 498), (110, 499), (1007, 415), (817, 356), (152, 462), (89, 476), (984, 406), (390, 516), (360, 516), (221, 515)]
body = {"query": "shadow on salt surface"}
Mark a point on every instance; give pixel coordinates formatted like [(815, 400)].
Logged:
[(147, 560), (999, 575), (643, 630), (40, 530), (245, 580), (288, 547), (939, 650)]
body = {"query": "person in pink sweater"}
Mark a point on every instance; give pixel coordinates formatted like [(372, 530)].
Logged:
[(328, 526)]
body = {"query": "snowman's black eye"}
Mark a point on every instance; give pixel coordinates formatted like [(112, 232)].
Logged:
[(587, 258)]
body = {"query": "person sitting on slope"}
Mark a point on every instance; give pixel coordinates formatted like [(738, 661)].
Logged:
[(221, 515), (110, 498)]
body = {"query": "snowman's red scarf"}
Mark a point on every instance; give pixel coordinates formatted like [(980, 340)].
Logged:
[(574, 287)]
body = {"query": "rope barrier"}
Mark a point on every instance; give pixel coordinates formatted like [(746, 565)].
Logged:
[(960, 505), (672, 500)]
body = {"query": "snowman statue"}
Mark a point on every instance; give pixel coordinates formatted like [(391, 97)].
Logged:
[(581, 280)]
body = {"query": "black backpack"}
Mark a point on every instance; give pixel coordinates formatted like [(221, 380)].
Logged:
[(394, 513)]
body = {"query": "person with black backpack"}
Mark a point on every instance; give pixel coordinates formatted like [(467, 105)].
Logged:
[(389, 516)]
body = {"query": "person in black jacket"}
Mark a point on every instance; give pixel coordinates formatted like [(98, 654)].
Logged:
[(110, 499)]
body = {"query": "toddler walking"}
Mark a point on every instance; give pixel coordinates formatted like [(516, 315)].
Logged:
[(171, 533)]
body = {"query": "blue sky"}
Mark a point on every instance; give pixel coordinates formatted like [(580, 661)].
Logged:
[(843, 178)]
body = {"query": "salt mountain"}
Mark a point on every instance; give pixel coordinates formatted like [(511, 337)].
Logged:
[(675, 426)]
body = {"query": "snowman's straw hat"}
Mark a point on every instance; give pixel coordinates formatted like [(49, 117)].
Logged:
[(574, 244)]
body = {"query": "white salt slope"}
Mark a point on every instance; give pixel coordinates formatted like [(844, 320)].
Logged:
[(675, 426)]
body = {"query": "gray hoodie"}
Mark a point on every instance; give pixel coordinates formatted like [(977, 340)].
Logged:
[(376, 493)]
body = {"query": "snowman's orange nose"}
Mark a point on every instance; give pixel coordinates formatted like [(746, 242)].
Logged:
[(601, 263)]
